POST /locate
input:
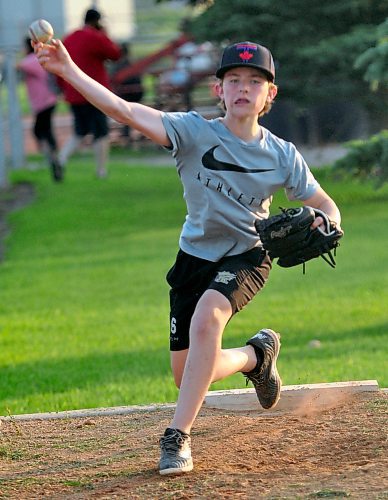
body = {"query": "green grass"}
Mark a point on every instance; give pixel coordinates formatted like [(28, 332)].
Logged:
[(84, 303)]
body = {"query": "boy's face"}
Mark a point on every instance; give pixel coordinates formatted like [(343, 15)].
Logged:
[(245, 91)]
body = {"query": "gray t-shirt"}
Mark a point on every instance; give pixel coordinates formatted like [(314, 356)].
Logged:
[(229, 183)]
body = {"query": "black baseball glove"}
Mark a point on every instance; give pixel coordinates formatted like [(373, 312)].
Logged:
[(289, 237)]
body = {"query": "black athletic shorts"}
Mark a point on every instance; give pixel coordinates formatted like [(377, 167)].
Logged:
[(89, 120), (239, 278), (43, 129)]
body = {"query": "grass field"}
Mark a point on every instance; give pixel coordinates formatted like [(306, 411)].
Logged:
[(84, 302)]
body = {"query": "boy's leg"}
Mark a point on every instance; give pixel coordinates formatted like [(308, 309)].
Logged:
[(209, 320), (52, 158), (230, 361), (80, 130), (47, 142), (232, 285), (101, 153), (257, 360), (70, 146), (201, 364), (98, 125)]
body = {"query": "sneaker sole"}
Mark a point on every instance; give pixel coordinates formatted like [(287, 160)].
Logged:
[(176, 471), (274, 371)]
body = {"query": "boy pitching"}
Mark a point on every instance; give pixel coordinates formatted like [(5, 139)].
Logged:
[(230, 167)]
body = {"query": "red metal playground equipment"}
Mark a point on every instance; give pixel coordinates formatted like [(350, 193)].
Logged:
[(185, 82)]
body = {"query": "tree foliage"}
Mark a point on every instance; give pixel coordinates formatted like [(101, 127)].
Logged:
[(369, 159), (375, 59), (315, 44), (366, 160), (193, 3)]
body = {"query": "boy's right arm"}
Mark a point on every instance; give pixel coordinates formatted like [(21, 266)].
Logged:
[(147, 120)]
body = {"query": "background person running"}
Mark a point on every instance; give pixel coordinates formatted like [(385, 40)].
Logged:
[(42, 101), (90, 47)]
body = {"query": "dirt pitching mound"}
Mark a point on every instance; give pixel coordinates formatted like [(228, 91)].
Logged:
[(340, 451)]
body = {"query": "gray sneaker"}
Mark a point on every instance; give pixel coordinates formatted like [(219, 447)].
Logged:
[(175, 452), (265, 377)]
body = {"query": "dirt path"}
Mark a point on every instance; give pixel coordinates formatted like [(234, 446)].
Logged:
[(339, 452)]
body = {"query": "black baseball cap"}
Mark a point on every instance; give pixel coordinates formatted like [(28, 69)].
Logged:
[(248, 54)]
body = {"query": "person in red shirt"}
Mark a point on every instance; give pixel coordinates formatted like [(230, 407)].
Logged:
[(90, 48)]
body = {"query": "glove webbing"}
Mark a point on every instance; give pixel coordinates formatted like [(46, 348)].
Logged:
[(327, 231)]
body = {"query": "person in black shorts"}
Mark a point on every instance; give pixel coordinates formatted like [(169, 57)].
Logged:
[(91, 48), (230, 168)]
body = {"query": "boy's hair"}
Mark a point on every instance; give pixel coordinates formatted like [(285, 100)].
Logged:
[(267, 108)]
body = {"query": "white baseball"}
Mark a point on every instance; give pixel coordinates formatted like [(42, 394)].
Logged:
[(41, 31)]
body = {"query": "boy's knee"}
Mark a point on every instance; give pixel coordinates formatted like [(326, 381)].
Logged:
[(203, 325)]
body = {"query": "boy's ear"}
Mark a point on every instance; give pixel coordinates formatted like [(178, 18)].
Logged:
[(272, 92), (218, 90)]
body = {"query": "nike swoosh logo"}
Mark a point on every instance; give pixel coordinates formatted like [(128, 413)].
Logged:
[(210, 162)]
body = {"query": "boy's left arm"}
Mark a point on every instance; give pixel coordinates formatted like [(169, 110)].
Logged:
[(321, 200)]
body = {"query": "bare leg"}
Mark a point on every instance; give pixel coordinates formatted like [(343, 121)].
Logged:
[(52, 157), (45, 148), (205, 360), (101, 152), (70, 146), (230, 361)]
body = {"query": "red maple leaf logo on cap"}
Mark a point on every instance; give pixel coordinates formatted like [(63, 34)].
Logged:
[(245, 56)]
